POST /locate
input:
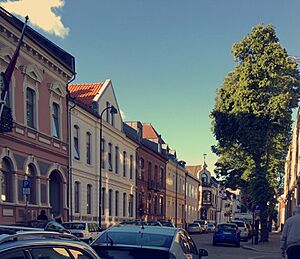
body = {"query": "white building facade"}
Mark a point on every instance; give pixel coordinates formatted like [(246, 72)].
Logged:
[(118, 159)]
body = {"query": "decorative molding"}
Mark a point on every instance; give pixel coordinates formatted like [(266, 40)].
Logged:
[(33, 72), (43, 140), (20, 131), (30, 135), (57, 88), (6, 54)]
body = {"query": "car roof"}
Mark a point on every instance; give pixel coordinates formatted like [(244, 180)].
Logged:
[(145, 229), (230, 224)]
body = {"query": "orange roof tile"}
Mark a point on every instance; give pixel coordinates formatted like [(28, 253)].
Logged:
[(194, 169), (149, 132), (85, 92)]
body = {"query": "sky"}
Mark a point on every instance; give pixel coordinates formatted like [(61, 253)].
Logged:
[(166, 58)]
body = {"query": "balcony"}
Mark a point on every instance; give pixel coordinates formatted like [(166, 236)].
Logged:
[(154, 185)]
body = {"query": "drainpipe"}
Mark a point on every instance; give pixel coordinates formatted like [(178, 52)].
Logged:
[(69, 123)]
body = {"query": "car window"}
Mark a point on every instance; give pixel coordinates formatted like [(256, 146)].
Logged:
[(132, 238), (49, 253), (79, 254), (91, 227), (193, 248), (54, 226), (79, 226), (13, 255), (96, 227), (227, 227), (240, 224), (184, 244)]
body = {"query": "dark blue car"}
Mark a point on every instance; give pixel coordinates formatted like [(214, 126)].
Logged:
[(227, 233)]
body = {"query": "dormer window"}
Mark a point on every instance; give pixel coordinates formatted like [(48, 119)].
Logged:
[(204, 178)]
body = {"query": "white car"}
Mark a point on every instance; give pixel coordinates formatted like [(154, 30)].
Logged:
[(194, 228), (146, 242), (85, 231), (211, 227), (244, 234)]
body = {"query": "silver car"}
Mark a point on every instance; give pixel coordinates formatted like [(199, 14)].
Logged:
[(194, 228), (146, 242)]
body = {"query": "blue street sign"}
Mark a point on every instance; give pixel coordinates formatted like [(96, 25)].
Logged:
[(26, 184), (26, 187)]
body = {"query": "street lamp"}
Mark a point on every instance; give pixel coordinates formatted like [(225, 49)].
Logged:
[(113, 110), (181, 162)]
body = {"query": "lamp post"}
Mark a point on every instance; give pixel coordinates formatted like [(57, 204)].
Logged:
[(113, 110), (176, 189)]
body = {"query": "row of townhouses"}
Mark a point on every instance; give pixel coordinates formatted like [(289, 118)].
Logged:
[(81, 160)]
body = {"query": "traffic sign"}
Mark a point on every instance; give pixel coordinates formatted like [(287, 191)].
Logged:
[(26, 187)]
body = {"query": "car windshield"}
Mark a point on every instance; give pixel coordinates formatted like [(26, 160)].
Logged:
[(226, 227), (130, 253), (210, 225), (193, 225), (142, 239), (79, 226), (201, 222), (167, 224), (240, 224)]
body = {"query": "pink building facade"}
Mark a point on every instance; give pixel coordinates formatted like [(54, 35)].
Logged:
[(37, 148)]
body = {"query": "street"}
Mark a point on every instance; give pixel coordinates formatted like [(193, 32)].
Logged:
[(268, 251)]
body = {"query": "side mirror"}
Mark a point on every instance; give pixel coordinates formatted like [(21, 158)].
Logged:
[(202, 252)]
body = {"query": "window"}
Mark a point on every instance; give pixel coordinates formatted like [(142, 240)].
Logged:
[(13, 255), (117, 159), (55, 120), (124, 204), (79, 254), (112, 118), (88, 148), (110, 202), (130, 205), (155, 205), (204, 178), (149, 170), (103, 201), (89, 199), (31, 176), (103, 153), (124, 164), (107, 112), (141, 171), (6, 181), (161, 177), (49, 252), (161, 205), (77, 196), (30, 108), (109, 156), (76, 143), (117, 203), (131, 167), (149, 203), (156, 173)]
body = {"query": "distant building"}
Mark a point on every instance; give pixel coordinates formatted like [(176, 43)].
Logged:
[(192, 198), (37, 148)]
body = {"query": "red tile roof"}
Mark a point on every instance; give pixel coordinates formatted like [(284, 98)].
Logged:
[(85, 93), (149, 132)]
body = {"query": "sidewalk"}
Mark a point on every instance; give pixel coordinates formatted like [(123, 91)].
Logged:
[(273, 246)]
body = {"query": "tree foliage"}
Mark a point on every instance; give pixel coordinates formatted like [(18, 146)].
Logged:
[(252, 116)]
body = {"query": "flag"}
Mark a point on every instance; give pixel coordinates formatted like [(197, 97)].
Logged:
[(6, 76)]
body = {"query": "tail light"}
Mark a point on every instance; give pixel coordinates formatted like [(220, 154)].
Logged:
[(238, 231)]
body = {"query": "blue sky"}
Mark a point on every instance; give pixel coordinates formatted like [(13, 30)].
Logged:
[(166, 58)]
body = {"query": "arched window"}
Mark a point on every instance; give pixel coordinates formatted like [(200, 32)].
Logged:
[(124, 204), (117, 203), (6, 181), (55, 120), (76, 143), (31, 176), (88, 148), (31, 107), (155, 205), (124, 164), (77, 197), (89, 199), (110, 202), (117, 159), (204, 178)]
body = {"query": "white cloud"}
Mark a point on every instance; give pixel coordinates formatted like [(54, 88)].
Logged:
[(42, 13)]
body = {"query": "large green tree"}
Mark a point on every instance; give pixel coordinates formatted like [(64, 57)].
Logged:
[(252, 117)]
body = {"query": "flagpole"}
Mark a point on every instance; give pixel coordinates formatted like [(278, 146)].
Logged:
[(6, 76)]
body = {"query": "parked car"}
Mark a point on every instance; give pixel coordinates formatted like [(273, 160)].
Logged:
[(243, 228), (203, 224), (86, 231), (154, 223), (44, 244), (211, 227), (167, 224), (250, 230), (194, 228), (227, 233), (136, 242), (33, 226)]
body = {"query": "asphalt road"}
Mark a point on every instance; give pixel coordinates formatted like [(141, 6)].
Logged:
[(230, 251)]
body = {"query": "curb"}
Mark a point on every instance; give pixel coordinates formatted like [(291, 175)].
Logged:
[(257, 250)]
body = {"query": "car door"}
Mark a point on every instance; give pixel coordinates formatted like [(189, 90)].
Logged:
[(13, 254)]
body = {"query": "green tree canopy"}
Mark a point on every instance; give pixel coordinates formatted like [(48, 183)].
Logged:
[(252, 116)]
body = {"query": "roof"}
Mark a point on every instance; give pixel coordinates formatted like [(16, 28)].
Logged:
[(194, 169), (130, 132), (85, 92), (149, 132), (59, 54), (147, 229)]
